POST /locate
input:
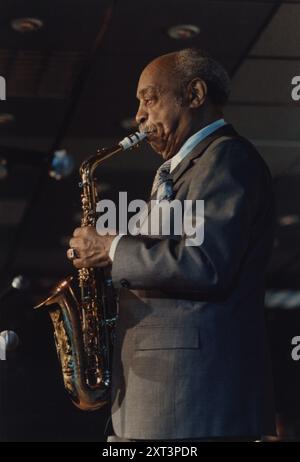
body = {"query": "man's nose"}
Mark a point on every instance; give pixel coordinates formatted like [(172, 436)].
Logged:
[(141, 116)]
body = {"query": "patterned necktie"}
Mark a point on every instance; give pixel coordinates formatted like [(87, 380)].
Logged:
[(162, 183)]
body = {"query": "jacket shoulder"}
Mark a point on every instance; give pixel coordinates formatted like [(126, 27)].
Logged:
[(236, 150)]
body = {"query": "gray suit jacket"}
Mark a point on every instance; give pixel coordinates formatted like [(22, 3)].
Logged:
[(190, 357)]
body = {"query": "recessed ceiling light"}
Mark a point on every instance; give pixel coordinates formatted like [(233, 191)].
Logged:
[(6, 118), (288, 220), (183, 31), (26, 24)]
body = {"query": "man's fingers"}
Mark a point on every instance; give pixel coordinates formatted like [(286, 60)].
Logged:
[(84, 246), (87, 249), (76, 242), (77, 231), (80, 263)]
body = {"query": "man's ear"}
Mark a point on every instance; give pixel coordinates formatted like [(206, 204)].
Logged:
[(197, 91)]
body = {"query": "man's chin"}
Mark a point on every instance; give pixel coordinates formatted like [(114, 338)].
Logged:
[(157, 146)]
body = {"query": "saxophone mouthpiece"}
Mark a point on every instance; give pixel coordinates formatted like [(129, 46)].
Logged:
[(132, 140)]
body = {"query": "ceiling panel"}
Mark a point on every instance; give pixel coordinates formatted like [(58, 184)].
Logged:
[(282, 36), (136, 34), (264, 81), (281, 122), (144, 32), (135, 39), (68, 24)]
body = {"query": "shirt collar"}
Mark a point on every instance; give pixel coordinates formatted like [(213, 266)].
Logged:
[(195, 139)]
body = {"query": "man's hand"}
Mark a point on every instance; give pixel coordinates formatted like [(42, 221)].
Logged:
[(91, 249)]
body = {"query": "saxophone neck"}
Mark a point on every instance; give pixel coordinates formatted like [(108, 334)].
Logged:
[(88, 166)]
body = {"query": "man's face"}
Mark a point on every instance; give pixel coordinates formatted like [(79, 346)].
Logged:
[(160, 110)]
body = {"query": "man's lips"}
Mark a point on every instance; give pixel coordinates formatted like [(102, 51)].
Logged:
[(147, 130), (152, 135)]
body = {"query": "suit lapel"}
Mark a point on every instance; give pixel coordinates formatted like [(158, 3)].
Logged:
[(199, 149)]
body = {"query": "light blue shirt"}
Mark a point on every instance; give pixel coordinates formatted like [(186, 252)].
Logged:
[(195, 139), (185, 149)]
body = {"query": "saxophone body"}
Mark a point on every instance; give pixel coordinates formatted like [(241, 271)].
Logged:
[(84, 324)]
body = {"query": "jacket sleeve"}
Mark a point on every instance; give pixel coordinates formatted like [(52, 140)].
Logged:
[(229, 179)]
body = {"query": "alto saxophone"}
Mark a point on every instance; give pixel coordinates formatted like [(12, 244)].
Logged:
[(84, 326)]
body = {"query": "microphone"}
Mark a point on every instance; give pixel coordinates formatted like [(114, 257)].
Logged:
[(18, 283), (9, 342)]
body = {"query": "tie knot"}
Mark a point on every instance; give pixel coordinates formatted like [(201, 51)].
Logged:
[(162, 175), (165, 167)]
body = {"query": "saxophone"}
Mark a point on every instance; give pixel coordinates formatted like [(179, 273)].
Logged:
[(84, 325)]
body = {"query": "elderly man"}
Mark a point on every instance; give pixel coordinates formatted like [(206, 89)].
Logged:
[(190, 358)]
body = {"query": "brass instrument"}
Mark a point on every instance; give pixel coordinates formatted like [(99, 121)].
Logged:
[(84, 327)]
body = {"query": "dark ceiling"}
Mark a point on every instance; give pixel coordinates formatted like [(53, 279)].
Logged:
[(71, 83)]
